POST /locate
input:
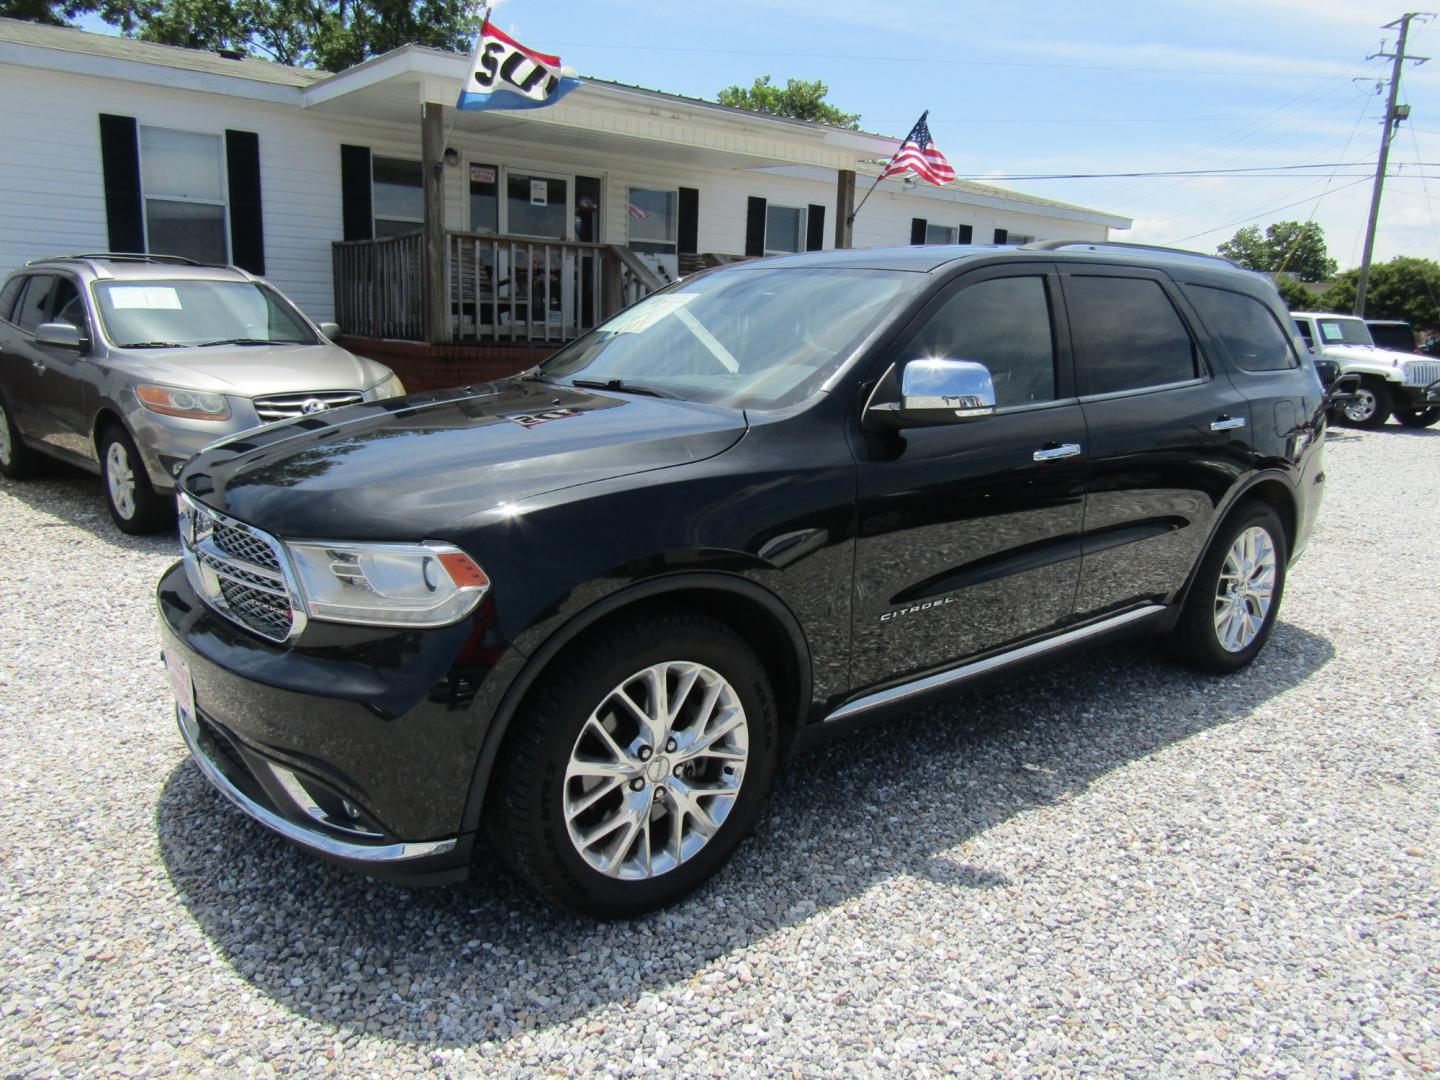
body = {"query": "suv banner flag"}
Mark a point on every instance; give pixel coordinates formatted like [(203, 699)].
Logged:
[(506, 75)]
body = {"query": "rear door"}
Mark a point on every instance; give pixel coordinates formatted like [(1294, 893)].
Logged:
[(967, 541), (1169, 435)]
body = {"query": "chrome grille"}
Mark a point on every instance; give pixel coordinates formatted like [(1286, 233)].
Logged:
[(285, 406), (1421, 372), (240, 571)]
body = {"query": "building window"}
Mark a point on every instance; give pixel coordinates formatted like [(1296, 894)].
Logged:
[(398, 196), (183, 177), (484, 198), (784, 229), (941, 234), (1019, 238), (653, 220)]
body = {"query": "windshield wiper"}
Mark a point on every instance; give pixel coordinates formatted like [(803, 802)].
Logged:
[(152, 345), (245, 341), (622, 386)]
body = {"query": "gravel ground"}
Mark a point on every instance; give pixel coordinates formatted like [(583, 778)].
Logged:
[(1110, 866)]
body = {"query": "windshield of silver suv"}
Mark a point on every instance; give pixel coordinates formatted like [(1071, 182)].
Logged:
[(762, 337), (189, 312)]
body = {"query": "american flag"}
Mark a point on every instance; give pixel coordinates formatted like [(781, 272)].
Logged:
[(918, 154)]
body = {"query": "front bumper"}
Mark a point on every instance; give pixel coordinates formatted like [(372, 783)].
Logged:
[(1420, 397), (359, 745)]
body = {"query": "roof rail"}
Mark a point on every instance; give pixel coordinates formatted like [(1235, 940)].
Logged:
[(1107, 245), (122, 256)]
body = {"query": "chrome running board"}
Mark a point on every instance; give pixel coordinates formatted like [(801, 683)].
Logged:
[(980, 667)]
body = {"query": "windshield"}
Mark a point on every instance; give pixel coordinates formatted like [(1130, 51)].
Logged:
[(156, 314), (1344, 332), (743, 337)]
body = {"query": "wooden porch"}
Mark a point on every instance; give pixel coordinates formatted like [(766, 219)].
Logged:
[(491, 288)]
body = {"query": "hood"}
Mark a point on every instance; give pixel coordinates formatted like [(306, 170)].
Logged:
[(1369, 354), (411, 468), (257, 370)]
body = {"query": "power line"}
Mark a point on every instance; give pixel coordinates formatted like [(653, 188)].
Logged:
[(1263, 213), (1244, 170)]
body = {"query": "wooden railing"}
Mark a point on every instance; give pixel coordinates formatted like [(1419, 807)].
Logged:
[(379, 286), (498, 288)]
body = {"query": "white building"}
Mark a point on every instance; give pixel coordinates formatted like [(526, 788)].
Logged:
[(318, 181)]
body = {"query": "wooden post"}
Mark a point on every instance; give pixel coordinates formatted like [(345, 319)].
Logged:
[(844, 208), (432, 157)]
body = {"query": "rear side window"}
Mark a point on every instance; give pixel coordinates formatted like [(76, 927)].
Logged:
[(1246, 328), (1003, 323), (1304, 328), (1128, 335), (35, 302), (8, 294)]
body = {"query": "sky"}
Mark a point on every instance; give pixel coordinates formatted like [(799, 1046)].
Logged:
[(1031, 87)]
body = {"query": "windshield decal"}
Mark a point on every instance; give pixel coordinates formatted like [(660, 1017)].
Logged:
[(1332, 331), (148, 297)]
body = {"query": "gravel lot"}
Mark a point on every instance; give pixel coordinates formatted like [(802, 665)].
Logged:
[(1110, 866)]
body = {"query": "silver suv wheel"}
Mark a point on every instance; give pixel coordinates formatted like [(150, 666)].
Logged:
[(655, 770), (120, 479), (7, 449), (1247, 583)]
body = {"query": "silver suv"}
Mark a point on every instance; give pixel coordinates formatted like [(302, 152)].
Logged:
[(126, 365)]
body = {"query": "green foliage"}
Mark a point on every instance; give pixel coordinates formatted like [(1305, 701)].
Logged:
[(1296, 296), (1403, 288), (800, 99), (49, 12), (329, 34), (1285, 246)]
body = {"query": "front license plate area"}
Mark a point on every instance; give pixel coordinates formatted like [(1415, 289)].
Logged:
[(183, 687)]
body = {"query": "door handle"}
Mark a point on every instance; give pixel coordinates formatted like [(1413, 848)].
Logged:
[(1055, 452), (1227, 423)]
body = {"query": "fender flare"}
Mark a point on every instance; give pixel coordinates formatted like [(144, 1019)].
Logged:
[(1222, 514), (651, 588)]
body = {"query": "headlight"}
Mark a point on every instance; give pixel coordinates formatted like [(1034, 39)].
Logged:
[(428, 584), (192, 404), (391, 387)]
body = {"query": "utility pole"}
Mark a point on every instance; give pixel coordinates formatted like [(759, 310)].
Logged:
[(1393, 115)]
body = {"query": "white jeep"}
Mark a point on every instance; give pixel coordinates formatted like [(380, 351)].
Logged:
[(1405, 384)]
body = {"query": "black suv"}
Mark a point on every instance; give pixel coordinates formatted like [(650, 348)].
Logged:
[(589, 610)]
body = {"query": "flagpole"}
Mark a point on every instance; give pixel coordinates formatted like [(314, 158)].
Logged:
[(851, 219), (479, 37)]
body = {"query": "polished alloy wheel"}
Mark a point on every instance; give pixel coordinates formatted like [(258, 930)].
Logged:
[(1362, 406), (1247, 586), (656, 770), (6, 450), (120, 479)]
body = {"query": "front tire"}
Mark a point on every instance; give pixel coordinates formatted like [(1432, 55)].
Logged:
[(1371, 406), (135, 506), (17, 461), (1236, 593), (1417, 418), (638, 766)]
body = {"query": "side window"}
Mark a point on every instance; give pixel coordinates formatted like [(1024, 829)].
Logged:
[(1128, 335), (9, 293), (67, 306), (1304, 328), (1249, 332), (35, 302), (1003, 323)]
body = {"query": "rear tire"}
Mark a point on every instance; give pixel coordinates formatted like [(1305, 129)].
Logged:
[(1371, 406), (17, 461), (612, 814), (1417, 418), (1236, 593), (135, 506)]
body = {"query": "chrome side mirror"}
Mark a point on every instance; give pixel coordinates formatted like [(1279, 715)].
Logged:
[(62, 335), (330, 329), (954, 389)]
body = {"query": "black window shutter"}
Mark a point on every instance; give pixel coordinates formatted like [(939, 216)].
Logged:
[(815, 228), (755, 226), (689, 221), (967, 234), (120, 166), (247, 227), (355, 193), (1001, 235), (917, 230)]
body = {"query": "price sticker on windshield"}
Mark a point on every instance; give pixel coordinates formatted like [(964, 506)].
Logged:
[(649, 312), (145, 297)]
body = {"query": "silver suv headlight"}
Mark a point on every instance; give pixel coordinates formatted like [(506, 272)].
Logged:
[(429, 584)]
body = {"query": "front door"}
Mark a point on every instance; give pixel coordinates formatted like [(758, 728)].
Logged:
[(967, 541), (55, 395)]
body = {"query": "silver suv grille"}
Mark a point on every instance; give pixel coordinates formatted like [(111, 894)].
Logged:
[(240, 571), (284, 406), (1421, 372)]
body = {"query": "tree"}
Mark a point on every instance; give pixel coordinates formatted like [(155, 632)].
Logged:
[(1296, 296), (49, 12), (1403, 288), (1285, 246), (800, 99), (329, 34)]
